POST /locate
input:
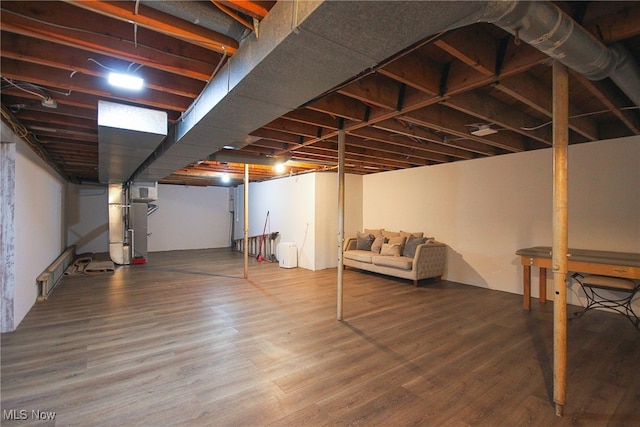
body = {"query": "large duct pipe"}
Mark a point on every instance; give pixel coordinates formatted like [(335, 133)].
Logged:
[(202, 14), (544, 26)]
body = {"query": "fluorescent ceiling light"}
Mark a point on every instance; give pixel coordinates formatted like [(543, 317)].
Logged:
[(125, 81)]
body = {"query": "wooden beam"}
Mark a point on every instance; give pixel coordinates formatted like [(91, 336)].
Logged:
[(489, 109), (530, 91), (233, 15), (337, 105), (413, 70), (455, 123), (374, 89), (61, 79), (254, 9), (612, 102), (613, 27), (54, 55), (106, 44), (473, 46), (163, 23)]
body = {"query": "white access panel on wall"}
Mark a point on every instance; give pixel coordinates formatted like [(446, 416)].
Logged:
[(288, 255)]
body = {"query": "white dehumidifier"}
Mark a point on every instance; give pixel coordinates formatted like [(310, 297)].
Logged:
[(287, 255)]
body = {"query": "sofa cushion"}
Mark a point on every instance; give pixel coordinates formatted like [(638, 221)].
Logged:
[(400, 262), (389, 234), (408, 234), (374, 231), (364, 241), (410, 247), (376, 246), (391, 249), (356, 255)]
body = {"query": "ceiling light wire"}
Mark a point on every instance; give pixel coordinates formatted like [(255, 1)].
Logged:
[(593, 113), (135, 25), (103, 66), (219, 64), (136, 69), (113, 70), (39, 95)]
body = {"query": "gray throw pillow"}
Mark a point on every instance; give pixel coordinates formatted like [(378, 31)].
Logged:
[(411, 245), (376, 246), (364, 241)]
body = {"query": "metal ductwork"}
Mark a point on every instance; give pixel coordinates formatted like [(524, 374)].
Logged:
[(127, 135), (233, 157), (201, 14), (307, 48), (544, 26)]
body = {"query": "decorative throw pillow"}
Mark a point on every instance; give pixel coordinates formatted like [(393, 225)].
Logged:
[(410, 247), (407, 234), (376, 246), (364, 241), (389, 234), (398, 240), (391, 249), (374, 231)]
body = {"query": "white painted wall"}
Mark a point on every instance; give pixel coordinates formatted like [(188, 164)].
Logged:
[(88, 218), (304, 209), (39, 224), (290, 202), (190, 218), (486, 209), (326, 227)]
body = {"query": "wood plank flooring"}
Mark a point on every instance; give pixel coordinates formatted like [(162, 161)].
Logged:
[(185, 340)]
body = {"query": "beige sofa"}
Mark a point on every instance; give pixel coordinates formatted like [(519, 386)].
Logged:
[(407, 258)]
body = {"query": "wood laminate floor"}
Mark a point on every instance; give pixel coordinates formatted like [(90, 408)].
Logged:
[(185, 340)]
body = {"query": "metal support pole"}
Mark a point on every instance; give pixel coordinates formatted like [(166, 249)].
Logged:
[(341, 153), (246, 221), (560, 232)]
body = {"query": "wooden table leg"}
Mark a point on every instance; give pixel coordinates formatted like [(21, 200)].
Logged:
[(526, 294), (542, 286)]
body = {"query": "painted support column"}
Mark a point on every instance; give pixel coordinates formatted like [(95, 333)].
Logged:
[(7, 234), (246, 221), (341, 154), (560, 232)]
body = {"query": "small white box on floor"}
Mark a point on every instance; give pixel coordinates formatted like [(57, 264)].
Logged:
[(287, 255)]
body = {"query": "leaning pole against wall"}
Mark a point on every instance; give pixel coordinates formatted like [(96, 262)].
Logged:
[(246, 221), (560, 232), (341, 153)]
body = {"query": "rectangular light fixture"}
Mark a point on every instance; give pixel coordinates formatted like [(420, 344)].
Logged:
[(484, 130), (125, 81)]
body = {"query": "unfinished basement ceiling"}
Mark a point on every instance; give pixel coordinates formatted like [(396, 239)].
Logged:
[(420, 103)]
